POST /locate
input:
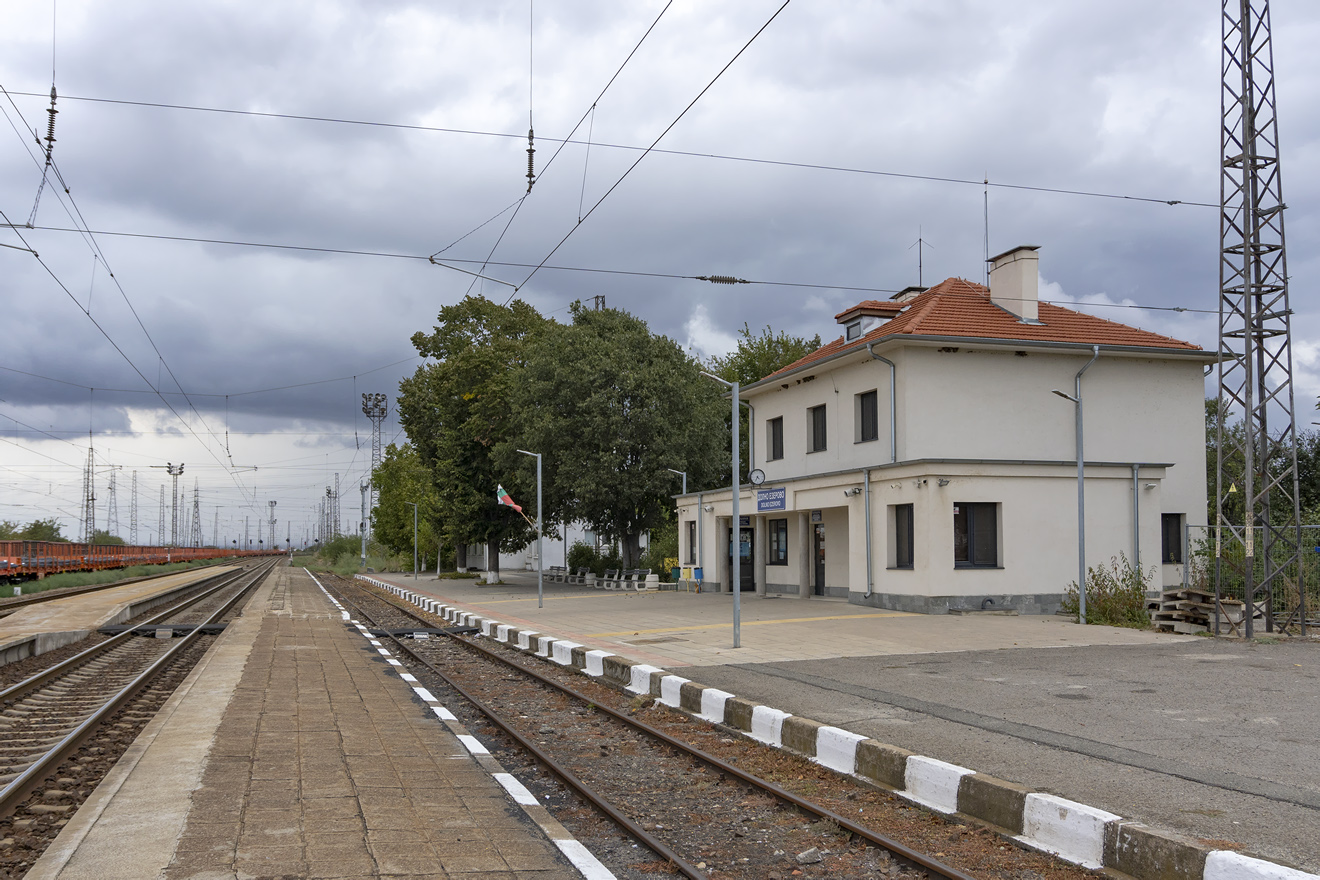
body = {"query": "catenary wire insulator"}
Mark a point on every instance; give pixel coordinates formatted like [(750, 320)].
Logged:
[(531, 159), (50, 125), (722, 279)]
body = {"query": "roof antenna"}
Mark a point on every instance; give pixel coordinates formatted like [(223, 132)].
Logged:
[(987, 229), (919, 244)]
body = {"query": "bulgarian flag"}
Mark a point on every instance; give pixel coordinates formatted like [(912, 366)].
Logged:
[(503, 498)]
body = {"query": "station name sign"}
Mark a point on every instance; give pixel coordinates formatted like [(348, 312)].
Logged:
[(770, 500)]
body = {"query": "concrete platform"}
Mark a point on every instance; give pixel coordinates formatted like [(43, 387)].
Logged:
[(297, 749), (1208, 738), (45, 626)]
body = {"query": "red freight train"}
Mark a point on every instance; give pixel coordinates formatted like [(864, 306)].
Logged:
[(32, 560)]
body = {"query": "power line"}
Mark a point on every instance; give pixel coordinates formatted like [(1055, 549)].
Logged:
[(648, 150), (811, 166), (637, 273)]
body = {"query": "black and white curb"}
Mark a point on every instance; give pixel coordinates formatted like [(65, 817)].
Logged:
[(573, 850), (1075, 832)]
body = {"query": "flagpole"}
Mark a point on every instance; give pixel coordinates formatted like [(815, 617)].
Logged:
[(539, 560)]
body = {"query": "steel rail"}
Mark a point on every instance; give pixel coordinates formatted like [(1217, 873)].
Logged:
[(843, 822), (11, 604), (44, 677), (570, 779), (35, 776)]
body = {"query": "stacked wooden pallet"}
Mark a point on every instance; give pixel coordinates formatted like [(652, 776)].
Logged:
[(1189, 610)]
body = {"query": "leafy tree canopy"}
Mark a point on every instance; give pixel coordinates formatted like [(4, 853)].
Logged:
[(610, 406), (456, 410), (101, 536), (757, 356), (42, 530), (403, 480), (9, 530)]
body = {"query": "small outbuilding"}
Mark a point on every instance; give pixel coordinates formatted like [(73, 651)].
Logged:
[(926, 459)]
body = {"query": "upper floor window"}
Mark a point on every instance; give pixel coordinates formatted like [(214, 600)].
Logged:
[(774, 439), (816, 428), (854, 329), (975, 535), (866, 412)]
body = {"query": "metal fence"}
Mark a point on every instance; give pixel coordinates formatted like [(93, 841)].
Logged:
[(1295, 597)]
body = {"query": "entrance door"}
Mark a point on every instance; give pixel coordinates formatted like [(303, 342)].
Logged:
[(746, 571), (818, 556)]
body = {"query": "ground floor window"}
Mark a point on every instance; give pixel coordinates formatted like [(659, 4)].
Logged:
[(778, 550), (692, 542), (903, 544), (975, 535), (1171, 538)]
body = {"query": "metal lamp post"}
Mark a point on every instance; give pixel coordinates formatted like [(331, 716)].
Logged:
[(537, 456), (682, 474), (735, 562), (1076, 398), (414, 507)]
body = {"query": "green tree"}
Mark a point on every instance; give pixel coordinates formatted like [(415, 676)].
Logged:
[(610, 406), (9, 531), (756, 357), (43, 530), (456, 410), (403, 480), (101, 536)]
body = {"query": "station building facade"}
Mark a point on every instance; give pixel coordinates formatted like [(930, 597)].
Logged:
[(926, 460)]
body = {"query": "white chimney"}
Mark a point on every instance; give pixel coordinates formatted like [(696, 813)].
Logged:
[(1015, 282)]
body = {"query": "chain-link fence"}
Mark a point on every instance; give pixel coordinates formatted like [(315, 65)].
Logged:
[(1296, 575)]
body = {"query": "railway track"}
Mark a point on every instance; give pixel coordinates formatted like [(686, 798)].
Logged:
[(8, 605), (701, 813), (45, 719)]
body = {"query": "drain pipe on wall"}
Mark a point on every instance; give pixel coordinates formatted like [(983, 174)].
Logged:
[(866, 473), (1136, 519)]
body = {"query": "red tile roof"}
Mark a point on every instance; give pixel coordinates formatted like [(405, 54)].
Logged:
[(962, 309)]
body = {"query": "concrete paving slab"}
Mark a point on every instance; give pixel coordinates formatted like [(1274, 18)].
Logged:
[(244, 773), (45, 626)]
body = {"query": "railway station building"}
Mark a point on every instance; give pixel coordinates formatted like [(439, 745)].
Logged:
[(926, 460)]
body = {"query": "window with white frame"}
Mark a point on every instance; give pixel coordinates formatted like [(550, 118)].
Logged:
[(866, 416), (774, 439)]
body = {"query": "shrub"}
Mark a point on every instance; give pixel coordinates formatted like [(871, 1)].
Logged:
[(1115, 594)]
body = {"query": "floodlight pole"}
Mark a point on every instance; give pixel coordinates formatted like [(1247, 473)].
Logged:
[(414, 507), (362, 526), (539, 561), (735, 548), (1076, 398)]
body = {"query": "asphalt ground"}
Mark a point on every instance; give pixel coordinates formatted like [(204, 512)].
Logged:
[(1212, 738)]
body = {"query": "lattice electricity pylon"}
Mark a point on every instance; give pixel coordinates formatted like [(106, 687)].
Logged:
[(1258, 533), (89, 499), (160, 535), (196, 539), (132, 514), (375, 407), (112, 507)]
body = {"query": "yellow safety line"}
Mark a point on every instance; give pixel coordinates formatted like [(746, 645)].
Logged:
[(638, 632)]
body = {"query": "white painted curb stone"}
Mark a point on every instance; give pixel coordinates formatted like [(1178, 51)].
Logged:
[(1066, 828), (641, 678), (768, 725), (837, 749), (933, 783), (670, 690), (1225, 865), (712, 705), (564, 652), (596, 663)]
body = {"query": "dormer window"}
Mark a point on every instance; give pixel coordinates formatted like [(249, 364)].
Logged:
[(854, 330)]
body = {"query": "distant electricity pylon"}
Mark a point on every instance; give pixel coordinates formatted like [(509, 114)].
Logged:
[(161, 533), (196, 539), (89, 498), (375, 407), (132, 514), (175, 471), (112, 506), (1258, 535)]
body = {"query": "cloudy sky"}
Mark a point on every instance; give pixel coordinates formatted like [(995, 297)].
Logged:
[(842, 135)]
